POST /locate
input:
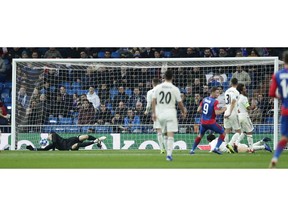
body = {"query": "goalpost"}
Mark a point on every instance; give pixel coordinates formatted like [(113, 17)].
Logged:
[(44, 95)]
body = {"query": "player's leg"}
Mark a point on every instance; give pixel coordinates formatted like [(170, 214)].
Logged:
[(197, 140), (282, 143), (218, 129), (160, 140), (228, 129), (170, 142)]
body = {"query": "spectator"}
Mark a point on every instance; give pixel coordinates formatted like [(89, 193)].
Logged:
[(264, 105), (35, 55), (35, 95), (23, 98), (191, 53), (107, 54), (139, 110), (189, 97), (253, 53), (222, 52), (216, 78), (148, 53), (33, 115), (93, 97), (206, 92), (242, 76), (89, 78), (117, 122), (132, 123), (103, 93), (121, 96), (256, 115), (86, 113), (52, 53), (157, 54), (136, 97), (207, 53), (75, 103), (239, 54), (65, 102), (221, 97), (197, 86), (4, 118), (137, 54), (83, 54), (2, 65), (121, 109), (24, 54), (103, 116)]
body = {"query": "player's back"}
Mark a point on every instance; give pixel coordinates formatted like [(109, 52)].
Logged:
[(166, 95), (230, 95), (242, 105), (209, 105), (282, 84)]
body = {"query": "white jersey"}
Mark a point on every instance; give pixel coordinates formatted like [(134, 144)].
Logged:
[(222, 147), (221, 99), (230, 95), (243, 103), (166, 95), (149, 99)]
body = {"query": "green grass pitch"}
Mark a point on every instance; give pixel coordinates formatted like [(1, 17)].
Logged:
[(136, 159)]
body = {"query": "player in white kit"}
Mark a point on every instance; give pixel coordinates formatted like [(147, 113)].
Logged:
[(156, 125), (230, 115), (243, 116), (260, 145), (164, 102)]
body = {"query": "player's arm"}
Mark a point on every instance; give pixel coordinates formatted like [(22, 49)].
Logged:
[(217, 110), (199, 109), (273, 87), (182, 108), (233, 104), (149, 102), (47, 148)]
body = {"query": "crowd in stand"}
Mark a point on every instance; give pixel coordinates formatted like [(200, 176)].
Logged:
[(106, 96)]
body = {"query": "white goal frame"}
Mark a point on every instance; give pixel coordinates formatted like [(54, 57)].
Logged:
[(164, 62)]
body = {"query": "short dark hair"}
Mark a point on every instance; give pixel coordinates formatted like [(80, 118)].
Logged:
[(155, 81), (240, 87), (168, 75), (210, 137), (285, 57), (213, 89), (234, 81)]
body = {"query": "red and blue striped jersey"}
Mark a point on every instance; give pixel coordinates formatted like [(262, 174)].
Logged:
[(209, 105), (280, 82)]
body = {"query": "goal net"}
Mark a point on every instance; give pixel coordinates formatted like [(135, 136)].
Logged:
[(108, 97)]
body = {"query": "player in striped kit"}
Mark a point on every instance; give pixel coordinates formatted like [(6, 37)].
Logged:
[(280, 82), (156, 125), (164, 102), (209, 109)]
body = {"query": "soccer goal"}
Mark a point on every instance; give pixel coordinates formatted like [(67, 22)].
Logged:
[(108, 97)]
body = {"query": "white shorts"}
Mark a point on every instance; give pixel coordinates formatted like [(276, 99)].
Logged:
[(169, 123), (246, 124), (232, 122), (156, 124)]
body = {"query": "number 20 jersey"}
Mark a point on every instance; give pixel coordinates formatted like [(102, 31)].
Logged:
[(166, 95)]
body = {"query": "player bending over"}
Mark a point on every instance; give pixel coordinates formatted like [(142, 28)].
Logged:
[(280, 81), (156, 125), (66, 144), (260, 145), (164, 109), (209, 109)]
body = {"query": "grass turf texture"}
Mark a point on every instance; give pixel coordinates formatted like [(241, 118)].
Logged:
[(136, 159)]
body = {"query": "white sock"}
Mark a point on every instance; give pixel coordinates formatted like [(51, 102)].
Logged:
[(258, 147), (170, 142), (240, 138), (234, 138), (160, 141), (226, 139), (257, 143), (165, 142), (250, 141)]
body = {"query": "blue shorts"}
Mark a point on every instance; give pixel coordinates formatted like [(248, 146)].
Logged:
[(214, 127), (284, 126)]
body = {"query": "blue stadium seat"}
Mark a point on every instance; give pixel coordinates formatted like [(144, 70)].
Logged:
[(269, 120), (80, 92), (52, 120), (229, 77), (70, 129), (225, 85), (128, 92), (113, 92), (75, 121), (7, 100), (101, 54), (264, 129), (58, 129), (5, 95), (76, 85), (167, 54), (70, 91), (66, 121), (8, 85), (6, 90), (65, 84), (1, 86), (102, 129), (46, 129), (115, 55), (85, 129)]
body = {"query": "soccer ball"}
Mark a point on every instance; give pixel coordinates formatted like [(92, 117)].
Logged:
[(43, 143)]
